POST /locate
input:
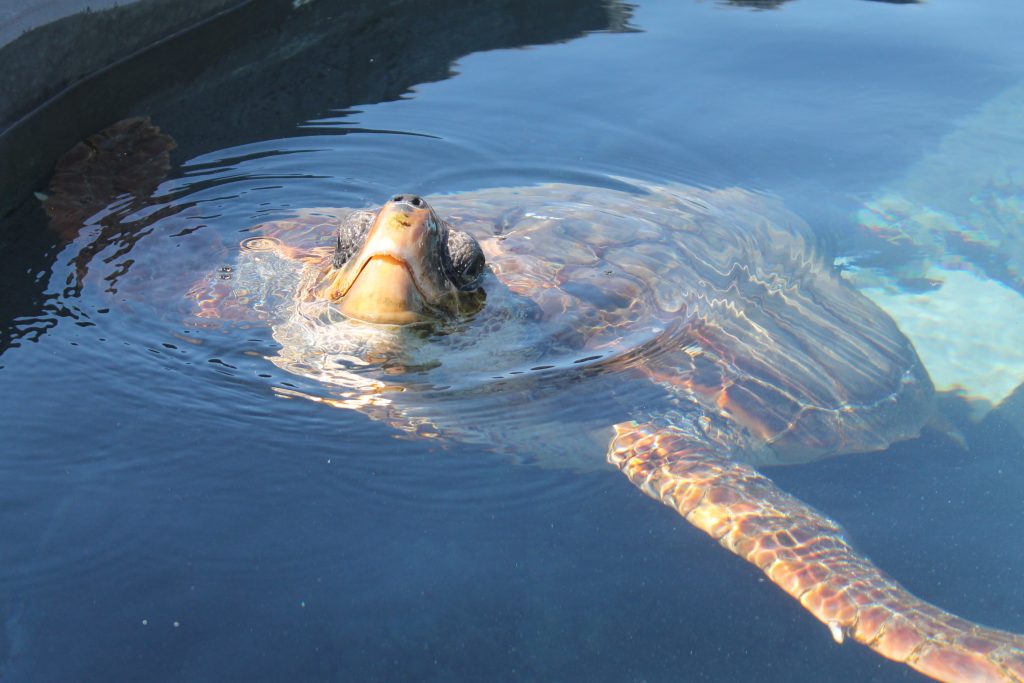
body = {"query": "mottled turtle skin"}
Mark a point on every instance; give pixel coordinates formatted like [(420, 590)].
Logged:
[(688, 334)]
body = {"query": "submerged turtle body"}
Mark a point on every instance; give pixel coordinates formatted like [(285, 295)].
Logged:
[(718, 297), (701, 329)]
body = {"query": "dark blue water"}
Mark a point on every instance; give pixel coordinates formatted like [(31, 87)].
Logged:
[(164, 515)]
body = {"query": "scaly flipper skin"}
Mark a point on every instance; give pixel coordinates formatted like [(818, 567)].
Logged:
[(806, 554)]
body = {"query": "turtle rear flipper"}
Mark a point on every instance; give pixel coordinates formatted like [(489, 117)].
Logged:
[(806, 554)]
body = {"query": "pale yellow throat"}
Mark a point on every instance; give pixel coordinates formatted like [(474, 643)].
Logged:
[(384, 293)]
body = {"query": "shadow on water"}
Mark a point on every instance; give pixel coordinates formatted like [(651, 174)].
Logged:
[(250, 74)]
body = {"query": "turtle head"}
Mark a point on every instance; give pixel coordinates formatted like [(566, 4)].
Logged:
[(407, 266)]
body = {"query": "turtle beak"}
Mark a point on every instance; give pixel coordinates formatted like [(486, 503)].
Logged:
[(384, 292), (391, 279)]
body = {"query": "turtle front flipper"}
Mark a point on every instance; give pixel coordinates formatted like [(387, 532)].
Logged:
[(129, 158), (807, 555)]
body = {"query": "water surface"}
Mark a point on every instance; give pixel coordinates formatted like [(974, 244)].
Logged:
[(166, 515)]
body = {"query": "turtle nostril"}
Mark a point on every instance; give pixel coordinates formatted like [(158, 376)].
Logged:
[(410, 199)]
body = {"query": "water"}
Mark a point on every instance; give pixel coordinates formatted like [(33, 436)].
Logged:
[(167, 516)]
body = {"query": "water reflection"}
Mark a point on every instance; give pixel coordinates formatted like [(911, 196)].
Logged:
[(755, 4), (941, 248), (775, 4)]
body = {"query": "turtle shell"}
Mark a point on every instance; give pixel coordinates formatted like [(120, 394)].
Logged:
[(642, 302)]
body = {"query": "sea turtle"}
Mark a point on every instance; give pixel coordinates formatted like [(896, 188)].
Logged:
[(688, 334), (706, 331)]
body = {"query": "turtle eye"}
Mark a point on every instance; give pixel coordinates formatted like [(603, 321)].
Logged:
[(341, 254), (350, 237), (466, 260)]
